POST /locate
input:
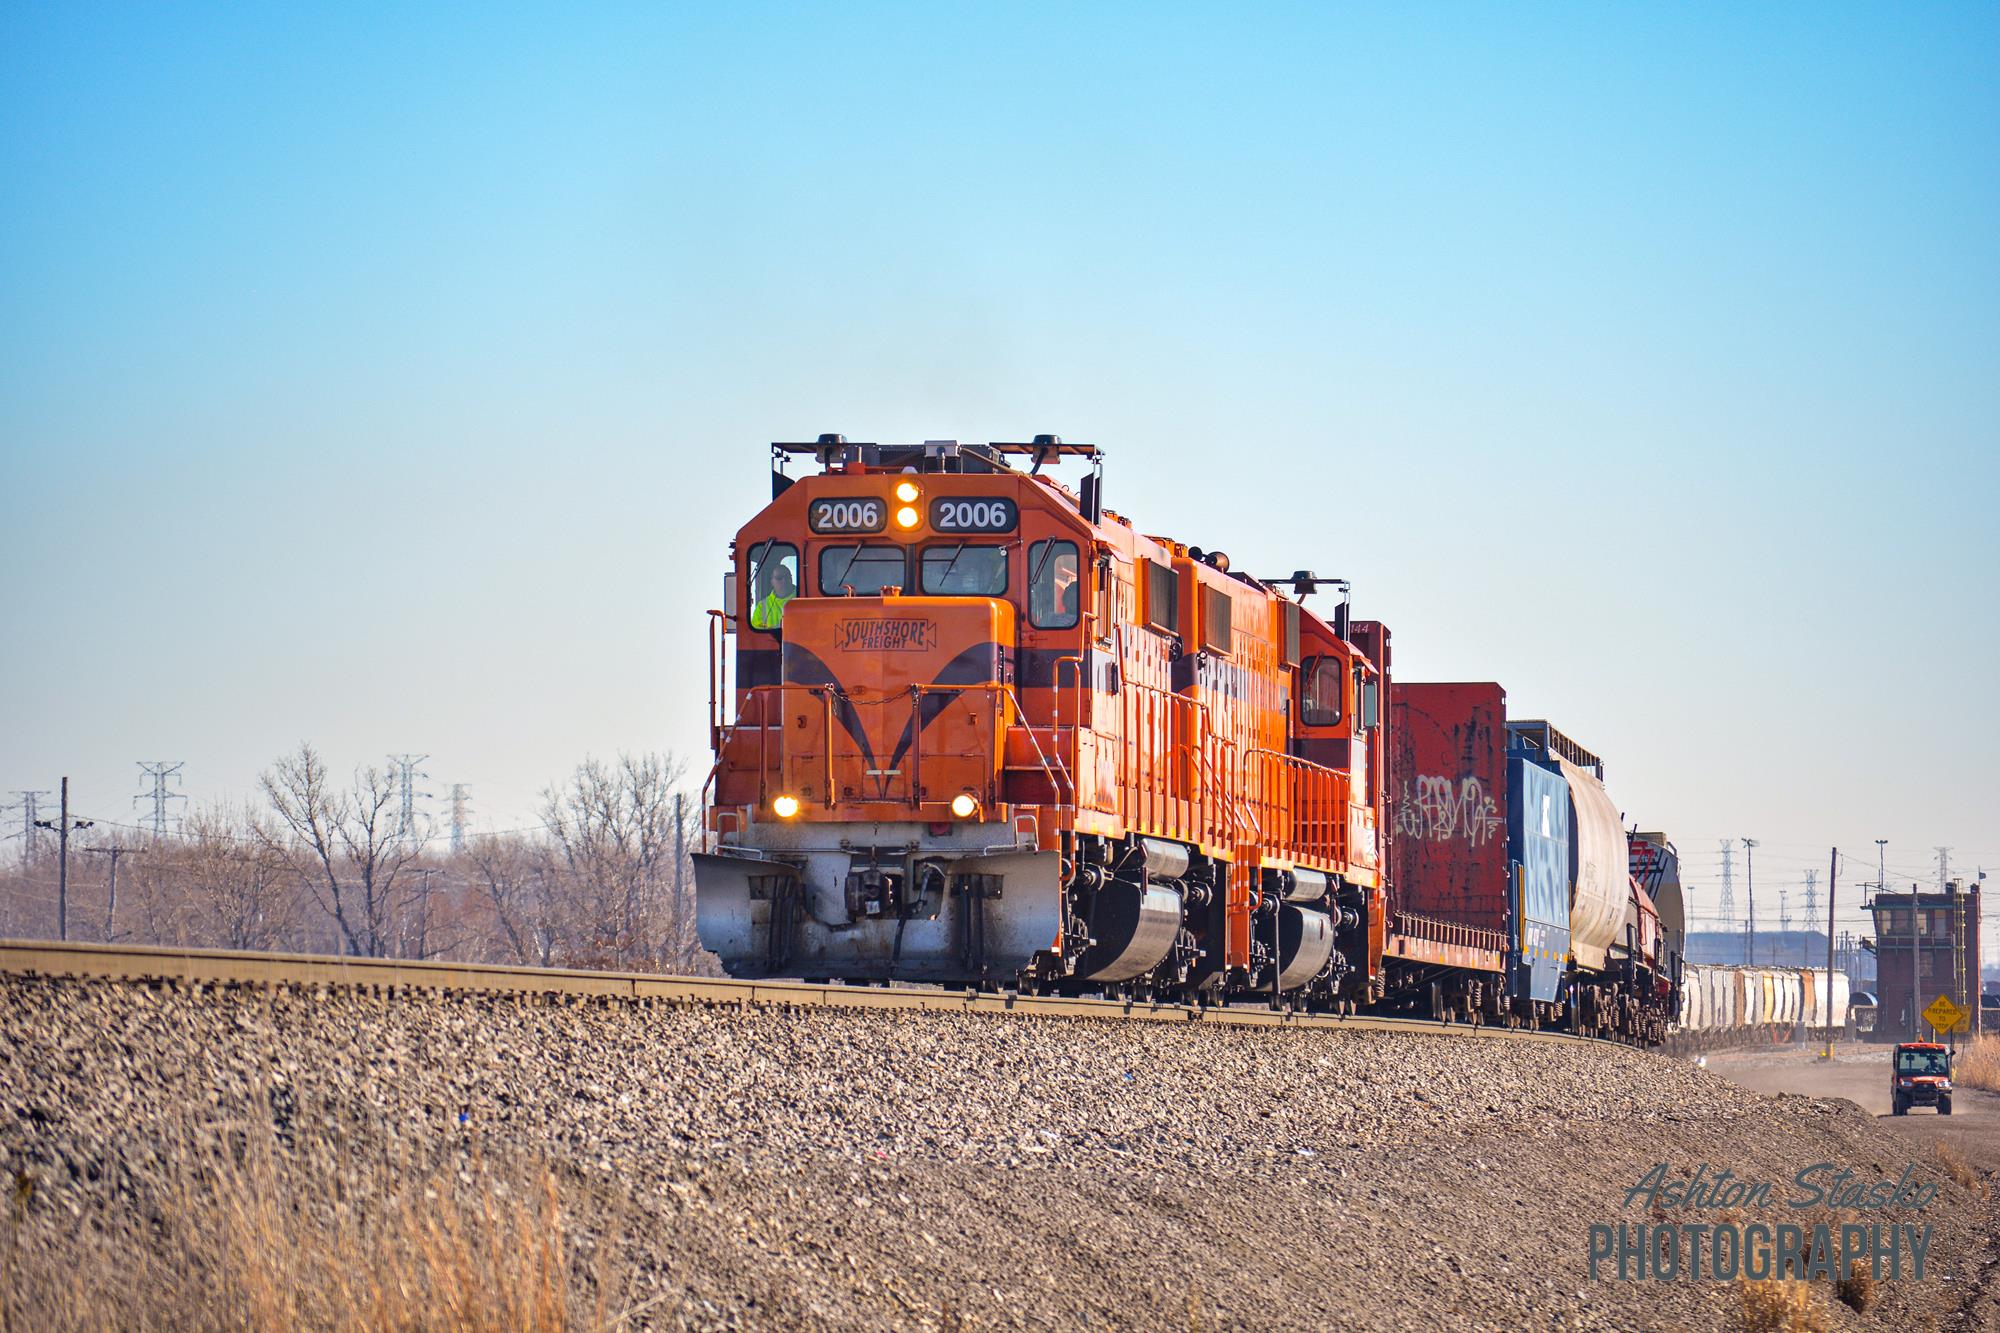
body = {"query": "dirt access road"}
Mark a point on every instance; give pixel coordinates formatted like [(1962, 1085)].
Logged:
[(1859, 1072)]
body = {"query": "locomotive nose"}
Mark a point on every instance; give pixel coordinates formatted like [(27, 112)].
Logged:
[(897, 707)]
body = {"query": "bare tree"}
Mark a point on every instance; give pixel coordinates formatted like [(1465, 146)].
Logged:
[(611, 857), (513, 877), (343, 846), (221, 884)]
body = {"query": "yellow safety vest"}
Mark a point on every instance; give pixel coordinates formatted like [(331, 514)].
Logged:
[(769, 612)]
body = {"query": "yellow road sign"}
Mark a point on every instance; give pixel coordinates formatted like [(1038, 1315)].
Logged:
[(1946, 1016)]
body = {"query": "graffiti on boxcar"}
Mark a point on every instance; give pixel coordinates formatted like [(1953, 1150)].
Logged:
[(1441, 809)]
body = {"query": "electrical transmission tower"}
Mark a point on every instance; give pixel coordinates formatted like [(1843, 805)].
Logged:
[(1728, 887), (1944, 866), (159, 772), (406, 781), (1812, 898), (31, 836), (461, 804)]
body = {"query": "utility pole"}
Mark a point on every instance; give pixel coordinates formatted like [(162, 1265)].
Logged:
[(111, 888), (406, 778), (461, 798), (1959, 994), (62, 825), (1916, 966), (62, 865), (1728, 889), (680, 861), (159, 772), (1784, 917), (1832, 891), (1750, 877), (31, 838), (425, 874)]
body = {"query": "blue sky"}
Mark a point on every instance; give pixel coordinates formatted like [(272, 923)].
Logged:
[(394, 377)]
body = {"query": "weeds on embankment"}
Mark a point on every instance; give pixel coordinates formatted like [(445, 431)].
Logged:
[(1978, 1065), (233, 1237), (1774, 1306)]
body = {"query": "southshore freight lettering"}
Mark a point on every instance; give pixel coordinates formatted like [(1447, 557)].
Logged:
[(887, 636)]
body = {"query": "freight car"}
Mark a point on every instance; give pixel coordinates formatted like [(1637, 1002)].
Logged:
[(972, 727), (1739, 1006), (1513, 892)]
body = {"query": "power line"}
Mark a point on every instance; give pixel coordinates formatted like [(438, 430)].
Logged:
[(29, 834), (1728, 887), (461, 802), (406, 781), (159, 772)]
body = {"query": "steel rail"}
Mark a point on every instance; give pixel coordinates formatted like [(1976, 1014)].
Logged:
[(224, 967)]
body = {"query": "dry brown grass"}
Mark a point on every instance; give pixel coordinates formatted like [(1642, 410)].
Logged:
[(1772, 1306), (256, 1240), (1857, 1290), (1954, 1164), (1978, 1065)]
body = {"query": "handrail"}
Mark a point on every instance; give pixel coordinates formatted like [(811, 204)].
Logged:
[(1315, 797), (825, 695), (1061, 780), (717, 630), (1069, 779), (1450, 932), (1157, 747)]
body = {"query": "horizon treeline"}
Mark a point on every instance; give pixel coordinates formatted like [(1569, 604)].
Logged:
[(323, 865)]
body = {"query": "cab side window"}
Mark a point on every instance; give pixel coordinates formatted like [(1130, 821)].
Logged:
[(774, 581), (1055, 587), (1320, 692)]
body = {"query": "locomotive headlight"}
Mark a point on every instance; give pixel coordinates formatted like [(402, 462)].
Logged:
[(964, 806), (784, 807), (907, 492), (907, 516)]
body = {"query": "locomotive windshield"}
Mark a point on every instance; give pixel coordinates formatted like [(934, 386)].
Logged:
[(1922, 1064), (861, 571), (960, 570)]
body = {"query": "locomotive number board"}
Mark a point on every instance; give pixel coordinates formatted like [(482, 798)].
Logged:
[(859, 514), (971, 514)]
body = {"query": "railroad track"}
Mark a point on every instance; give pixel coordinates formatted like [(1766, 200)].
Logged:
[(224, 967)]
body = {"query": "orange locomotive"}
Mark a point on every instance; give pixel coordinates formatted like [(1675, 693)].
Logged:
[(984, 732)]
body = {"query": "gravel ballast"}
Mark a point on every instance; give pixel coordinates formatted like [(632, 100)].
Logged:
[(823, 1167)]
